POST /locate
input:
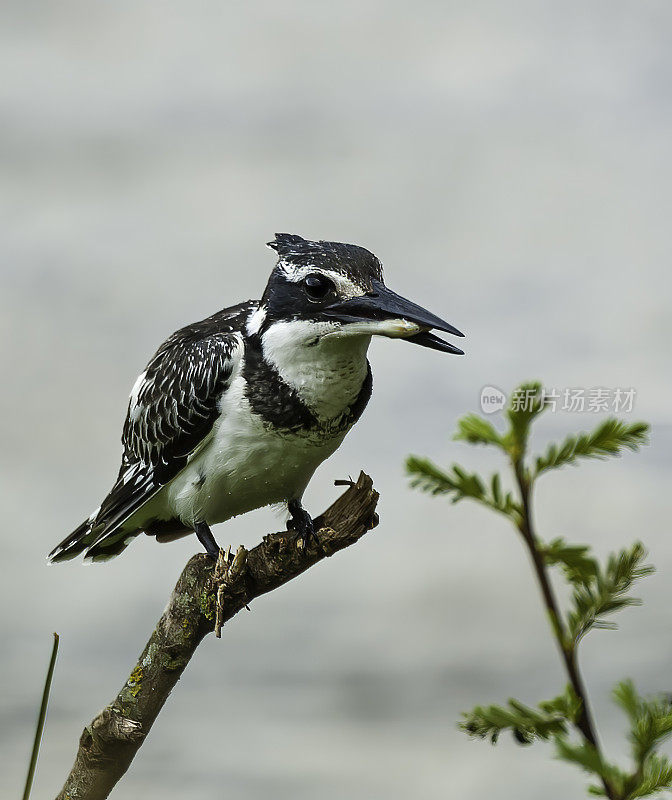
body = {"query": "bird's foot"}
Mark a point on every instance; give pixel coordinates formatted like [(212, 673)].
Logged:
[(302, 523), (205, 537)]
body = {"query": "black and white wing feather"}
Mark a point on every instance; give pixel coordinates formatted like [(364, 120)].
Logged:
[(173, 407)]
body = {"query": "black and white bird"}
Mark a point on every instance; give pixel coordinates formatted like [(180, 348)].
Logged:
[(237, 411)]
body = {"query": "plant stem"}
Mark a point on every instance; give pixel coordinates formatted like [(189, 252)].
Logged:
[(40, 720), (585, 722)]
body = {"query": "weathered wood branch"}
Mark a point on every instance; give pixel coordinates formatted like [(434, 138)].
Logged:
[(108, 745)]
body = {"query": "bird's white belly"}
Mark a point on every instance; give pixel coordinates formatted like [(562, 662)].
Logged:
[(244, 465)]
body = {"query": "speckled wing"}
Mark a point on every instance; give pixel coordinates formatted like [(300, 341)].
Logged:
[(171, 413), (174, 405)]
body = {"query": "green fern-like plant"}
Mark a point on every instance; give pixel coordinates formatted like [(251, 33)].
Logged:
[(597, 591)]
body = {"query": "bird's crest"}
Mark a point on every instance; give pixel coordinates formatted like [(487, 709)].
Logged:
[(350, 260)]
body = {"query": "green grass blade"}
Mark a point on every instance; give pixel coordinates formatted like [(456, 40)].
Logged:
[(40, 720)]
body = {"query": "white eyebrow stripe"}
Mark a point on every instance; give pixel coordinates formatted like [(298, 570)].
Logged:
[(344, 286)]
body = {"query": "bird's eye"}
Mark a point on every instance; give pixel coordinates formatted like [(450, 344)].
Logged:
[(316, 286)]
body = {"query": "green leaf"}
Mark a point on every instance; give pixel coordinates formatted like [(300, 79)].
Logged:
[(526, 403), (461, 485), (427, 477), (468, 484), (606, 592), (656, 776), (650, 719), (476, 430), (496, 488), (586, 756), (547, 721), (583, 754), (567, 705), (625, 695), (574, 560), (610, 438)]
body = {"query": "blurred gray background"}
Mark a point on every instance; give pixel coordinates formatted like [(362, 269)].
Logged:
[(511, 166)]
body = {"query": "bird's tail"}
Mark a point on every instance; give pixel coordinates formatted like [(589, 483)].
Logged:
[(100, 541), (79, 540)]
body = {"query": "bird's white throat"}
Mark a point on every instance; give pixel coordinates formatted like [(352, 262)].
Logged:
[(327, 371)]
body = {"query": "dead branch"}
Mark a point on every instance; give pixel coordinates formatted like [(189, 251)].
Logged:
[(199, 603)]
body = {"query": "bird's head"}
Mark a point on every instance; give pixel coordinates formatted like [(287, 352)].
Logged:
[(329, 289)]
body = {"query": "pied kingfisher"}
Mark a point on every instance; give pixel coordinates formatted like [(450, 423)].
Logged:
[(237, 411)]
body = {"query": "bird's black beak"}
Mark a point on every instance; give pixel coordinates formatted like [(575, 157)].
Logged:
[(382, 303)]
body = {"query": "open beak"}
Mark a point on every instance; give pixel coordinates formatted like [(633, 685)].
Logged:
[(382, 304)]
